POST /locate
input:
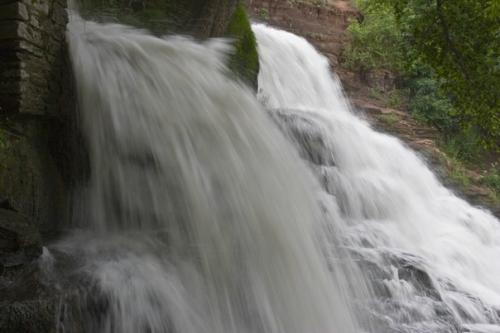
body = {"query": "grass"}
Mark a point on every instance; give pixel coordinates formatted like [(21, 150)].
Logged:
[(458, 173), (390, 118), (492, 179), (396, 99)]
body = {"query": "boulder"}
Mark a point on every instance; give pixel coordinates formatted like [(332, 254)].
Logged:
[(308, 134)]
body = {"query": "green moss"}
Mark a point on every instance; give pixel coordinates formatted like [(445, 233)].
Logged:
[(245, 61)]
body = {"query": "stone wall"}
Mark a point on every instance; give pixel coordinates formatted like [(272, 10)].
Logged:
[(31, 55), (37, 136), (36, 115)]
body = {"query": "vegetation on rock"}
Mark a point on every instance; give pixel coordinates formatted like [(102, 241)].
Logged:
[(245, 60)]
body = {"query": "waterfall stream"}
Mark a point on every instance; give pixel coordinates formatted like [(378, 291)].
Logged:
[(209, 209), (431, 257)]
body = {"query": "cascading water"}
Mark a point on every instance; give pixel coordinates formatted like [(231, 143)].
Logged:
[(432, 258), (199, 216)]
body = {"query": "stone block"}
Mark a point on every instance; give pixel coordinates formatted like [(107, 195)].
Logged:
[(37, 7)]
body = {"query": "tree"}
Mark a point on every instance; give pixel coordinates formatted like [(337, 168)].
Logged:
[(460, 41)]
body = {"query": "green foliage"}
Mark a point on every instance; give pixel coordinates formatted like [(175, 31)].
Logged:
[(375, 42), (452, 85), (245, 61), (396, 98), (458, 174), (492, 180), (428, 104), (390, 118), (460, 41), (463, 146)]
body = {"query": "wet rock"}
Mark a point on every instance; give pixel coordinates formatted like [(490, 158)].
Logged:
[(26, 304), (41, 296), (419, 279), (307, 134), (35, 316), (411, 270), (20, 246), (19, 240)]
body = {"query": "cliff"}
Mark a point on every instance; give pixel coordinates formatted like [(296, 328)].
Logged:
[(324, 24)]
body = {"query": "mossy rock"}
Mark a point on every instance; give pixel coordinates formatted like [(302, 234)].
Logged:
[(200, 18), (245, 60)]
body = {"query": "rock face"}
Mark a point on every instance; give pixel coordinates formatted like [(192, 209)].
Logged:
[(322, 23), (199, 18), (36, 160), (35, 109), (31, 61), (308, 135)]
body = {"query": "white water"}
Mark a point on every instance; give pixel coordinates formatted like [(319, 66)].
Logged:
[(433, 259), (199, 215)]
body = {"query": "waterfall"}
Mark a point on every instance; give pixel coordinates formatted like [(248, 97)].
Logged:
[(431, 257), (209, 209), (199, 215)]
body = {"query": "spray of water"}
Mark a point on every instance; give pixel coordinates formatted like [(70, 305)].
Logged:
[(432, 257)]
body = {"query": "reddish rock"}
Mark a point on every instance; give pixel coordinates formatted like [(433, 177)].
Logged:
[(322, 24)]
